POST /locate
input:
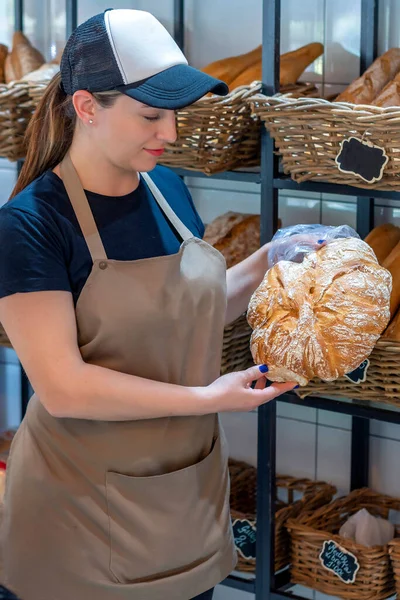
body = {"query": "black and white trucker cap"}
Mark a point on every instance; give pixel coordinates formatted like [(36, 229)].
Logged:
[(131, 52)]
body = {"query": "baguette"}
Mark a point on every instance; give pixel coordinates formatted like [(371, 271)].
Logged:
[(292, 65), (366, 88), (3, 58), (227, 69), (253, 73), (383, 239), (392, 264), (9, 72), (23, 59), (390, 95)]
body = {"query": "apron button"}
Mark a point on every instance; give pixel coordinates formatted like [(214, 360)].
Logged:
[(102, 265)]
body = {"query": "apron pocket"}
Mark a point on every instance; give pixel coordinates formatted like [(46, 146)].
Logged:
[(166, 524)]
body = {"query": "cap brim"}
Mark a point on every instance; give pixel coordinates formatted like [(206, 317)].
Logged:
[(174, 88)]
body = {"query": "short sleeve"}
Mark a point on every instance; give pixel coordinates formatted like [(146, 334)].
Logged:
[(31, 254)]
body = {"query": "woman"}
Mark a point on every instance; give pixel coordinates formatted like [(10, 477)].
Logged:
[(117, 483)]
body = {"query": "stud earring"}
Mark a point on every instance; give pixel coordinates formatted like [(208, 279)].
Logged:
[(90, 121)]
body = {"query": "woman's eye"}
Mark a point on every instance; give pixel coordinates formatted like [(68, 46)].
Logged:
[(152, 118)]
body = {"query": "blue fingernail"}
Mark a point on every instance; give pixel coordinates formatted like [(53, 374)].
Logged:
[(263, 368), (321, 241), (296, 386)]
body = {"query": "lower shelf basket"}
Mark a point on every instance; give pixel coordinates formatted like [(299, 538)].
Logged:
[(394, 551), (299, 495), (310, 531), (382, 383)]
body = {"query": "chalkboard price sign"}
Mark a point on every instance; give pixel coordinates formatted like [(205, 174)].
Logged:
[(362, 159), (359, 375), (244, 532), (336, 559)]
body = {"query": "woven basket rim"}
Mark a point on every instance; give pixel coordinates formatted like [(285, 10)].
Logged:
[(260, 102), (295, 525), (237, 95)]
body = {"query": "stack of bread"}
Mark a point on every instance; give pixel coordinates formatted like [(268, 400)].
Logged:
[(24, 62), (379, 85), (385, 242), (235, 235), (246, 68), (322, 317)]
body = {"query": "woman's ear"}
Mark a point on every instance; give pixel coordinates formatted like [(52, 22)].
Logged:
[(85, 106)]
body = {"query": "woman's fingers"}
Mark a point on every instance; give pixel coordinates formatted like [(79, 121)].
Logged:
[(273, 391)]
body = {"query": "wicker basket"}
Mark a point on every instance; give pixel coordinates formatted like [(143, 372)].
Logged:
[(308, 132), (236, 353), (394, 552), (218, 133), (382, 383), (18, 101), (311, 495), (309, 531)]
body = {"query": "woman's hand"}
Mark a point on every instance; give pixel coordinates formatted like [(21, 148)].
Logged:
[(234, 393), (293, 247)]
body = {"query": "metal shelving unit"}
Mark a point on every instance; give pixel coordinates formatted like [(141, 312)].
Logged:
[(266, 584)]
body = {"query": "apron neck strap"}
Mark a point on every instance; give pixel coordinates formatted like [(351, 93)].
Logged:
[(82, 209), (183, 231)]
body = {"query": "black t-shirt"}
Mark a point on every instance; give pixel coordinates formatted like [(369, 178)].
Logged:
[(42, 246)]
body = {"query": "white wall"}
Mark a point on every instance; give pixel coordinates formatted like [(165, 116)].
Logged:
[(306, 438)]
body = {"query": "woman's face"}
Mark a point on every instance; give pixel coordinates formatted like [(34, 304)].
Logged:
[(132, 135)]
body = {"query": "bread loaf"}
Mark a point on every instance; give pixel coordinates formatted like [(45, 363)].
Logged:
[(392, 264), (229, 68), (9, 72), (322, 317), (3, 57), (23, 58), (235, 235), (366, 88), (383, 239), (252, 73), (43, 73), (292, 64), (390, 95)]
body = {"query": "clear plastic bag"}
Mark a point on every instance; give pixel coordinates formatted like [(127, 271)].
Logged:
[(367, 530), (295, 242)]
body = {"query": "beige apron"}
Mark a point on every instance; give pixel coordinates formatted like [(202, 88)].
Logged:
[(134, 510)]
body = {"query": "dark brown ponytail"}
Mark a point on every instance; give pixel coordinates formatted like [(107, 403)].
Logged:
[(49, 134), (50, 131)]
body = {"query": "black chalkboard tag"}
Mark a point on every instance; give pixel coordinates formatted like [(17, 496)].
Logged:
[(359, 375), (339, 561), (244, 532), (362, 159)]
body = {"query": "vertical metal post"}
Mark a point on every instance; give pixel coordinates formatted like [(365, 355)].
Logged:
[(26, 391), (266, 450), (18, 15), (365, 215), (365, 221), (71, 10), (369, 33), (359, 474), (179, 23)]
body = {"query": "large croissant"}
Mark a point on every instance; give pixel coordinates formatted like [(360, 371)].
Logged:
[(322, 317)]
